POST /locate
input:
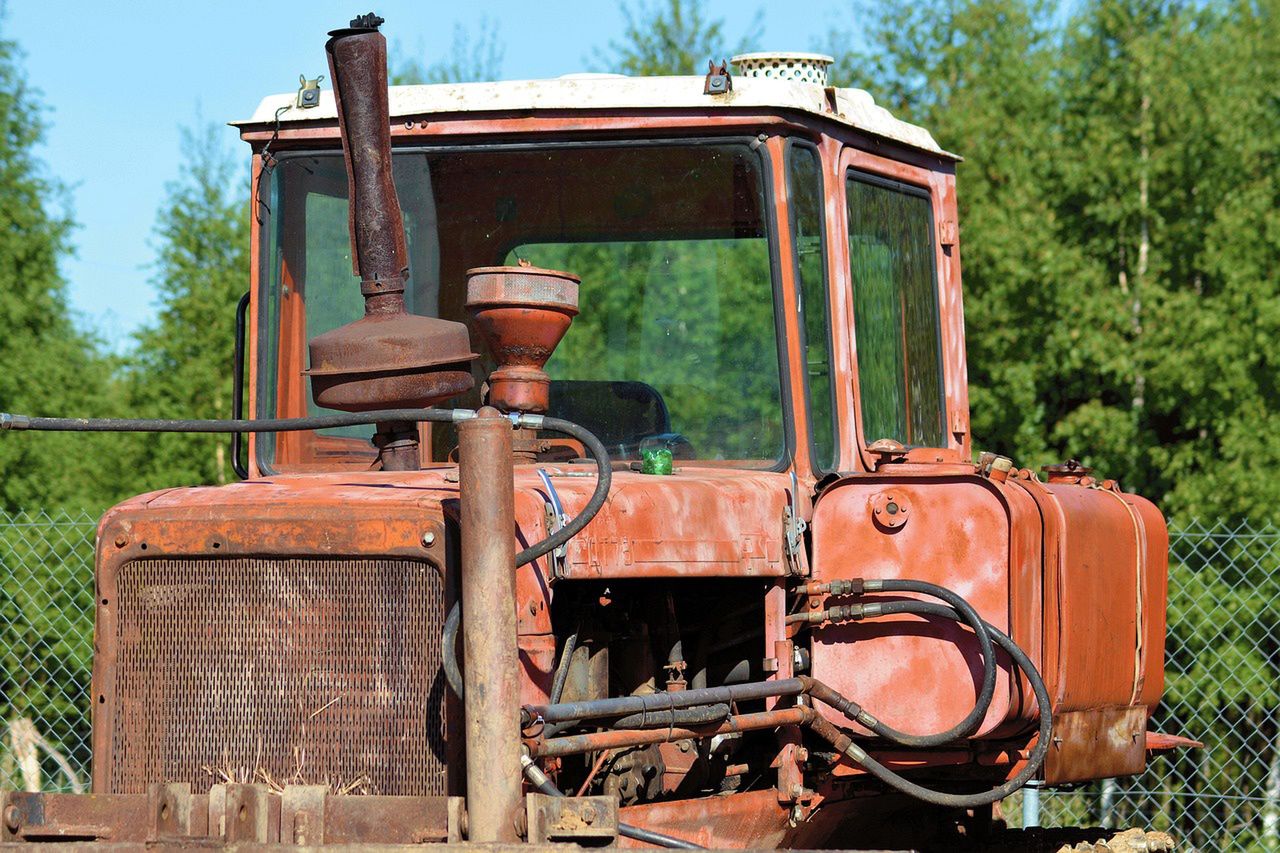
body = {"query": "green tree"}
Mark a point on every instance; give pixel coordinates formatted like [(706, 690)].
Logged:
[(182, 364), (672, 37), (50, 366), (980, 76), (474, 56)]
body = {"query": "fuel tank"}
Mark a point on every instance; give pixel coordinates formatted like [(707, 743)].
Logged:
[(1074, 570)]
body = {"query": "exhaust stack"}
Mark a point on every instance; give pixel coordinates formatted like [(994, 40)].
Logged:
[(388, 358)]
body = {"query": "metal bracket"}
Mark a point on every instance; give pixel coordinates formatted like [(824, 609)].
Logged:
[(555, 519), (248, 814), (719, 81), (170, 807), (302, 813), (568, 819), (308, 92), (794, 527)]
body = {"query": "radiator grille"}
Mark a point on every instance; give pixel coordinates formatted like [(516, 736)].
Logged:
[(292, 671)]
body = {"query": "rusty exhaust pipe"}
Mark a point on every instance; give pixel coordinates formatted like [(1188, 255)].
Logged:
[(491, 677), (388, 359)]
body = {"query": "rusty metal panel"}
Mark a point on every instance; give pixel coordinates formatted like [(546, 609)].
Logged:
[(1099, 743), (279, 670), (1106, 564), (918, 674), (699, 522)]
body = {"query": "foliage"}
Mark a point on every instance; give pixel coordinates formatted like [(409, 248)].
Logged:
[(671, 37), (182, 364), (1118, 209), (50, 366), (474, 56)]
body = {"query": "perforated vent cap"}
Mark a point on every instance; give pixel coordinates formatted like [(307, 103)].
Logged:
[(800, 67)]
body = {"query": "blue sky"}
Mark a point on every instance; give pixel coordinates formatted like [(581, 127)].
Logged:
[(120, 80)]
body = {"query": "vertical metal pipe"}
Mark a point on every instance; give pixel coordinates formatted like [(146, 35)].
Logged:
[(1031, 805), (358, 69), (491, 677)]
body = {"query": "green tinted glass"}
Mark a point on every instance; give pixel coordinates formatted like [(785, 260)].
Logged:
[(804, 189), (895, 300)]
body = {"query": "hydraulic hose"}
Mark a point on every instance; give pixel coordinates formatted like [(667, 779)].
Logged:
[(965, 613), (449, 650), (845, 744), (562, 669), (604, 479), (539, 780), (703, 715), (619, 706)]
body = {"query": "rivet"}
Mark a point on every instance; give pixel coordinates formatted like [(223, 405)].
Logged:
[(12, 818), (121, 540), (533, 608), (428, 538)]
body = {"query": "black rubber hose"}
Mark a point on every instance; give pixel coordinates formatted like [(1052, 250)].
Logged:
[(590, 709), (942, 798), (701, 716), (562, 669), (449, 649), (605, 477), (974, 718), (540, 781)]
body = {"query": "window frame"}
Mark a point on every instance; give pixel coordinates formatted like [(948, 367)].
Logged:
[(851, 172), (818, 468), (267, 347)]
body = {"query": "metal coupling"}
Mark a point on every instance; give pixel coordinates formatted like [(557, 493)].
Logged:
[(839, 613), (532, 771), (525, 420), (15, 422), (846, 586)]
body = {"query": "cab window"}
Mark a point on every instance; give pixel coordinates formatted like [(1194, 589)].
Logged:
[(804, 193), (895, 301)]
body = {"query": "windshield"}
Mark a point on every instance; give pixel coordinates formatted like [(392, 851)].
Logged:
[(675, 343)]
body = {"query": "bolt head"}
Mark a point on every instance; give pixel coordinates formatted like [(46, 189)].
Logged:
[(121, 540), (429, 538), (12, 818)]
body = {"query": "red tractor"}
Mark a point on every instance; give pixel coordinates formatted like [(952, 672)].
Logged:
[(697, 554)]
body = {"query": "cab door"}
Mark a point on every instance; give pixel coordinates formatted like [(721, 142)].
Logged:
[(898, 265)]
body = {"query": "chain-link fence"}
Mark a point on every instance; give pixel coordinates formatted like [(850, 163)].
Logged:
[(1222, 687), (46, 643), (1223, 683)]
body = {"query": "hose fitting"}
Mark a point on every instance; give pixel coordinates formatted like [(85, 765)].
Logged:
[(847, 586), (839, 613)]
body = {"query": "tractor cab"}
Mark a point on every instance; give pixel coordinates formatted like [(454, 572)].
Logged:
[(717, 232)]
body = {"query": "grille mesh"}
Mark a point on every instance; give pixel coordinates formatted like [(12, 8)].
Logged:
[(302, 671)]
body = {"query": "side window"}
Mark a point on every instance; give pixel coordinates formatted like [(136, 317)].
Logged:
[(895, 302), (804, 191)]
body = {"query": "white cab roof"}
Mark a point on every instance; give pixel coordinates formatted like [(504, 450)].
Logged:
[(853, 107)]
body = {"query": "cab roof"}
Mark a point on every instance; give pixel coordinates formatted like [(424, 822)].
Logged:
[(852, 107)]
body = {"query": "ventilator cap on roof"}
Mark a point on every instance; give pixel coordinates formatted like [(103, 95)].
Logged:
[(774, 65)]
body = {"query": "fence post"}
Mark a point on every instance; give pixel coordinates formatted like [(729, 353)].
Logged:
[(1030, 805)]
